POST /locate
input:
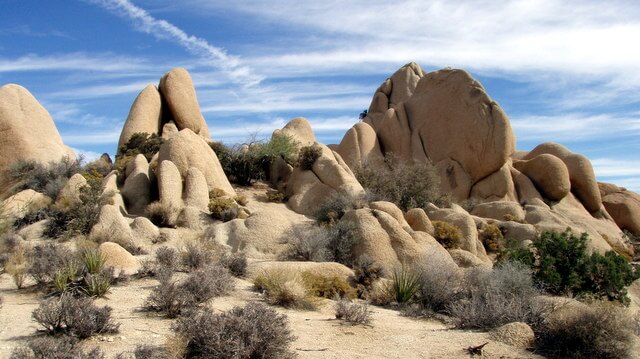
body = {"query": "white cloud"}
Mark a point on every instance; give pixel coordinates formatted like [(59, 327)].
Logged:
[(163, 29), (102, 91), (95, 138), (88, 156), (72, 62), (611, 167)]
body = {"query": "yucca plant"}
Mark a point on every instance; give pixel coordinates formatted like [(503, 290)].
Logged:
[(405, 284), (93, 260), (97, 285)]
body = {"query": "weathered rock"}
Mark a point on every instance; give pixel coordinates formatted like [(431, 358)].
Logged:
[(453, 179), (498, 186), (34, 231), (451, 111), (25, 202), (404, 82), (299, 129), (187, 150), (462, 220), (520, 232), (143, 229), (136, 190), (123, 262), (525, 189), (169, 184), (112, 226), (624, 207), (144, 115), (390, 244), (280, 173), (394, 133), (325, 269), (392, 210), (110, 193), (516, 334), (169, 130), (500, 210), (28, 132), (465, 259), (548, 173), (306, 192), (418, 220), (581, 174), (359, 146), (177, 89), (70, 193), (196, 192)]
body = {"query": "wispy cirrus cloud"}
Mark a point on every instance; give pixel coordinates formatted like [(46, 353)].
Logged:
[(162, 29), (76, 61)]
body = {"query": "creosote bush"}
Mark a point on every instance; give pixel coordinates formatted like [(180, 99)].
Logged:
[(596, 331), (223, 208), (366, 273), (447, 234), (138, 143), (492, 238), (252, 331), (48, 179), (162, 214), (74, 316), (439, 285), (407, 185), (236, 263), (353, 313), (307, 243)]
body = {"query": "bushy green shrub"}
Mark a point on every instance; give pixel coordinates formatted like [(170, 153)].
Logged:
[(284, 288), (563, 266), (79, 217), (140, 143), (408, 185), (252, 331), (492, 238), (221, 207), (447, 234)]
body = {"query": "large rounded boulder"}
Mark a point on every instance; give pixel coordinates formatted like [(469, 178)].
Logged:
[(145, 115), (177, 89)]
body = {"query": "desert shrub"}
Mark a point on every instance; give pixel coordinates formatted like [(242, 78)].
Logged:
[(162, 214), (496, 297), (308, 156), (343, 236), (241, 199), (332, 209), (45, 260), (97, 285), (327, 286), (93, 260), (284, 288), (220, 207), (79, 217), (404, 285), (100, 167), (492, 238), (275, 196), (206, 283), (63, 347), (439, 285), (353, 313), (172, 297), (252, 331), (513, 251), (599, 331), (236, 263), (167, 257), (563, 266), (17, 266), (5, 220), (150, 352), (281, 146), (447, 234), (408, 185), (48, 179), (307, 243), (139, 143), (196, 255), (366, 273), (74, 316)]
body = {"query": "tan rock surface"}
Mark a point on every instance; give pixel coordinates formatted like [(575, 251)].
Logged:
[(418, 220), (516, 334), (117, 257), (177, 89), (70, 193), (144, 116), (136, 190), (548, 173), (25, 202), (196, 192), (169, 184), (360, 145), (187, 150), (624, 207), (300, 130)]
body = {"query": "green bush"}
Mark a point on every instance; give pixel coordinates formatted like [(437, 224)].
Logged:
[(252, 331), (408, 185), (308, 156), (447, 234), (140, 143), (222, 208), (80, 217), (563, 267)]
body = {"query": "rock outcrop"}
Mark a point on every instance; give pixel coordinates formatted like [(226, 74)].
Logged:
[(177, 90), (623, 206), (28, 132), (145, 115)]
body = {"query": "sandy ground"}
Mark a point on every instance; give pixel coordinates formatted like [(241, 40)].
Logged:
[(319, 335)]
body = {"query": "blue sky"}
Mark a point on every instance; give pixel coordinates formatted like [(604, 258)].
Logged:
[(564, 71)]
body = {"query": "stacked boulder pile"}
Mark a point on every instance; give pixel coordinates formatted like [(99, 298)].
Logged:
[(444, 118)]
